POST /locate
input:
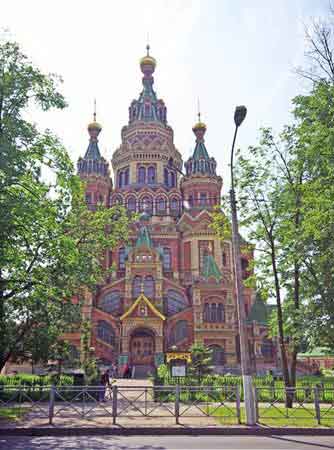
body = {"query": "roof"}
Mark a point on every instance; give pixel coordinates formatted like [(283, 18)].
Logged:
[(260, 311), (200, 151), (144, 238), (211, 269), (93, 151), (143, 298)]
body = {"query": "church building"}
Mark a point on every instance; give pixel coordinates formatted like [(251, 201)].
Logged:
[(173, 282)]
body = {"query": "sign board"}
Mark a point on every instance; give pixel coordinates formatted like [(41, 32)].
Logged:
[(179, 370), (122, 360)]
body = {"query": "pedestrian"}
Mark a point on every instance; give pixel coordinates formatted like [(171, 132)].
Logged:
[(126, 370), (104, 383)]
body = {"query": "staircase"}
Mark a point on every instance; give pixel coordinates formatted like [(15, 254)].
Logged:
[(142, 371)]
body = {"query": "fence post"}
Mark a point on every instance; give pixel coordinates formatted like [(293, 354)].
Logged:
[(114, 404), (317, 405), (256, 401), (237, 393), (177, 404), (51, 403)]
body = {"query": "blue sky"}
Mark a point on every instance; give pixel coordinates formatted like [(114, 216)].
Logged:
[(226, 52)]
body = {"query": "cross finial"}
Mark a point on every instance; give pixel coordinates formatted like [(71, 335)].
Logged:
[(148, 45), (198, 110), (94, 114)]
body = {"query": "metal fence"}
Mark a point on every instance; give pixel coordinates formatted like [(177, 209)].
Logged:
[(308, 406), (87, 402)]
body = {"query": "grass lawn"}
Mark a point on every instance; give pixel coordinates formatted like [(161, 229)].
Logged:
[(12, 414), (279, 416)]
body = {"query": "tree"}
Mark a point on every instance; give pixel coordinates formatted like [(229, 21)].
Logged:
[(319, 50), (88, 360), (201, 359), (51, 245)]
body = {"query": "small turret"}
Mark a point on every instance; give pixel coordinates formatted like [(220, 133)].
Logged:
[(93, 163)]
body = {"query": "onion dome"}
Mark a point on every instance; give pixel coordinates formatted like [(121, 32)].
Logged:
[(148, 107), (93, 163), (200, 163), (147, 63)]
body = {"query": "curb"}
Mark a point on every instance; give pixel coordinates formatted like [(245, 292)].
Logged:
[(131, 431)]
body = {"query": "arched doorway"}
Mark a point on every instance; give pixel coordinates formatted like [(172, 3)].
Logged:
[(142, 347)]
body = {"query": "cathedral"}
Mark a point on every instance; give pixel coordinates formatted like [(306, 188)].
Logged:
[(173, 282)]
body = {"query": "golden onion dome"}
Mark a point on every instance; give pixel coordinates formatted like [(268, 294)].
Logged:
[(199, 126), (94, 126), (148, 60)]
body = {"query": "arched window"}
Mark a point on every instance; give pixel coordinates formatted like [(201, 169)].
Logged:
[(151, 178), (167, 258), (105, 332), (111, 303), (146, 204), (120, 179), (224, 259), (166, 172), (118, 200), (136, 286), (174, 204), (121, 258), (176, 302), (220, 313), (180, 332), (149, 287), (126, 177), (141, 175), (131, 204), (172, 179), (213, 312), (191, 201), (218, 355), (161, 205)]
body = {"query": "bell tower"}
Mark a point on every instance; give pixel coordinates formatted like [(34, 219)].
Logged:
[(94, 169)]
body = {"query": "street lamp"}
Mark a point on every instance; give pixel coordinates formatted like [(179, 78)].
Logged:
[(239, 116)]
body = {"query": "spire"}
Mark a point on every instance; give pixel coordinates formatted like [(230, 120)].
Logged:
[(144, 238), (148, 107), (93, 162), (210, 267), (200, 162)]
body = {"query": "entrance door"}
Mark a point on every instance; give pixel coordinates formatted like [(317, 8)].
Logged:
[(142, 347)]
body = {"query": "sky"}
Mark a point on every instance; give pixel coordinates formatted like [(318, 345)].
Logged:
[(224, 52)]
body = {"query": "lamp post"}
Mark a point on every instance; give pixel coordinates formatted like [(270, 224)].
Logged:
[(239, 116)]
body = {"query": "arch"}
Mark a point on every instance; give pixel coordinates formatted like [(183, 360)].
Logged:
[(131, 203), (161, 205), (146, 204), (179, 333), (218, 355), (105, 332), (166, 172), (149, 286), (175, 302), (141, 175), (151, 175), (111, 303), (136, 286), (175, 204), (117, 200)]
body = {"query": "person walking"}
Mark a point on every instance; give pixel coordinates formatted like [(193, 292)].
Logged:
[(104, 383)]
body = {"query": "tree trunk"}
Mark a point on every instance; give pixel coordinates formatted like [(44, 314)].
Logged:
[(285, 368)]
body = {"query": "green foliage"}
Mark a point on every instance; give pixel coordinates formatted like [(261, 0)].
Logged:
[(26, 380), (88, 361), (51, 245), (201, 359)]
